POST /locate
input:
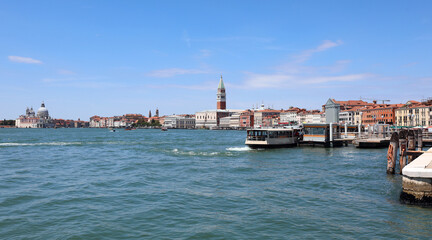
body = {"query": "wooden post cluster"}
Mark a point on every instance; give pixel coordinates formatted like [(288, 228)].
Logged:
[(392, 153), (403, 147), (405, 143), (420, 140), (411, 143)]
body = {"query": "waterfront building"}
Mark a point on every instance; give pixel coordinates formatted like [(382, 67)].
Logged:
[(31, 120), (379, 113), (290, 116), (231, 122), (116, 121), (246, 119), (260, 115), (301, 117), (332, 110), (179, 121), (350, 104), (210, 118), (414, 113), (270, 121), (313, 116), (347, 116), (322, 117)]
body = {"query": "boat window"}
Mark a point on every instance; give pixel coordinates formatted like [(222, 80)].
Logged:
[(314, 131)]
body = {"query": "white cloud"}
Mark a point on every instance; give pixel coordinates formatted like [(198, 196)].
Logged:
[(203, 86), (204, 53), (410, 64), (65, 72), (24, 60), (170, 72), (186, 38), (296, 73), (327, 44), (291, 81)]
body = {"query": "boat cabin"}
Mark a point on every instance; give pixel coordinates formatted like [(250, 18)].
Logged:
[(266, 138)]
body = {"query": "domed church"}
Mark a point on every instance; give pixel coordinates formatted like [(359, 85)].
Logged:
[(32, 120), (43, 112)]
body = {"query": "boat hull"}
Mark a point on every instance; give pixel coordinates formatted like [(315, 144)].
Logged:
[(255, 146)]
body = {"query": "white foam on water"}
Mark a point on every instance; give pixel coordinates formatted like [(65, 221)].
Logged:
[(193, 153), (39, 144), (239, 149)]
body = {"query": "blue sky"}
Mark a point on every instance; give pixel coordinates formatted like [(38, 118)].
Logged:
[(108, 58)]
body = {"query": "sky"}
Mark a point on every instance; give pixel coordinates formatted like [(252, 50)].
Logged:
[(107, 58)]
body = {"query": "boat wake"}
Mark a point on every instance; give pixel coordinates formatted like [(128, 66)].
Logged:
[(195, 153), (40, 144), (239, 149)]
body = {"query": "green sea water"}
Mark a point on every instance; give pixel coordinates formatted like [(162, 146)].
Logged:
[(194, 184)]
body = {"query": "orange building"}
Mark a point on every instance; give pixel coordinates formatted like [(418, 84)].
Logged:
[(379, 113)]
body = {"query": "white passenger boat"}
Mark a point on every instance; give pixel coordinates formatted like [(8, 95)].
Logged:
[(272, 137)]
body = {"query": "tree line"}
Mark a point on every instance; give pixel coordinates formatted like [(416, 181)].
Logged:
[(144, 123), (7, 122)]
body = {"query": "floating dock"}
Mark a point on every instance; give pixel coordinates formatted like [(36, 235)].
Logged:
[(372, 143), (417, 181)]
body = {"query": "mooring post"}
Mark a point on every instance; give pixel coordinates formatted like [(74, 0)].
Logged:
[(392, 153), (403, 146), (359, 131), (411, 144), (420, 140)]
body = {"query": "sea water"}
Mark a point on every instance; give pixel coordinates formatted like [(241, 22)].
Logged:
[(194, 184)]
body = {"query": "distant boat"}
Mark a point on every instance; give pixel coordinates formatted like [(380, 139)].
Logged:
[(272, 138), (112, 130), (164, 129)]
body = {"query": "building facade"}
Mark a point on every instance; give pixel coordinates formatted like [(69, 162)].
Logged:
[(414, 113), (31, 120), (332, 110), (180, 122), (260, 115), (379, 113)]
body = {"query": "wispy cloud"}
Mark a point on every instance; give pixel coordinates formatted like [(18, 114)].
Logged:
[(170, 72), (65, 72), (203, 86), (305, 55), (296, 74), (291, 81), (19, 59), (233, 38), (186, 38), (203, 53), (96, 82), (409, 64)]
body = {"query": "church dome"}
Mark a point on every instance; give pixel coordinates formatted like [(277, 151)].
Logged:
[(42, 111)]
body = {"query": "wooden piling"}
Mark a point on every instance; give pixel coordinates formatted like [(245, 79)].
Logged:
[(392, 153), (411, 144), (403, 147), (420, 140)]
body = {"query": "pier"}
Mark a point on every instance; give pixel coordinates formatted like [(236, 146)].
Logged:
[(417, 180), (415, 165)]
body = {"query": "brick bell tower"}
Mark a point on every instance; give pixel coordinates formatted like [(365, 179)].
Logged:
[(221, 96)]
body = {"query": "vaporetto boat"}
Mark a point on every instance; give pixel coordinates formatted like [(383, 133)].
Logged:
[(272, 137)]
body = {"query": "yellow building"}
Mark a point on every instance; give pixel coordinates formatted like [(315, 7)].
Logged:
[(414, 113)]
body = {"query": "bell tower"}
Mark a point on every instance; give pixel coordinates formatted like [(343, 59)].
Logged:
[(221, 95)]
